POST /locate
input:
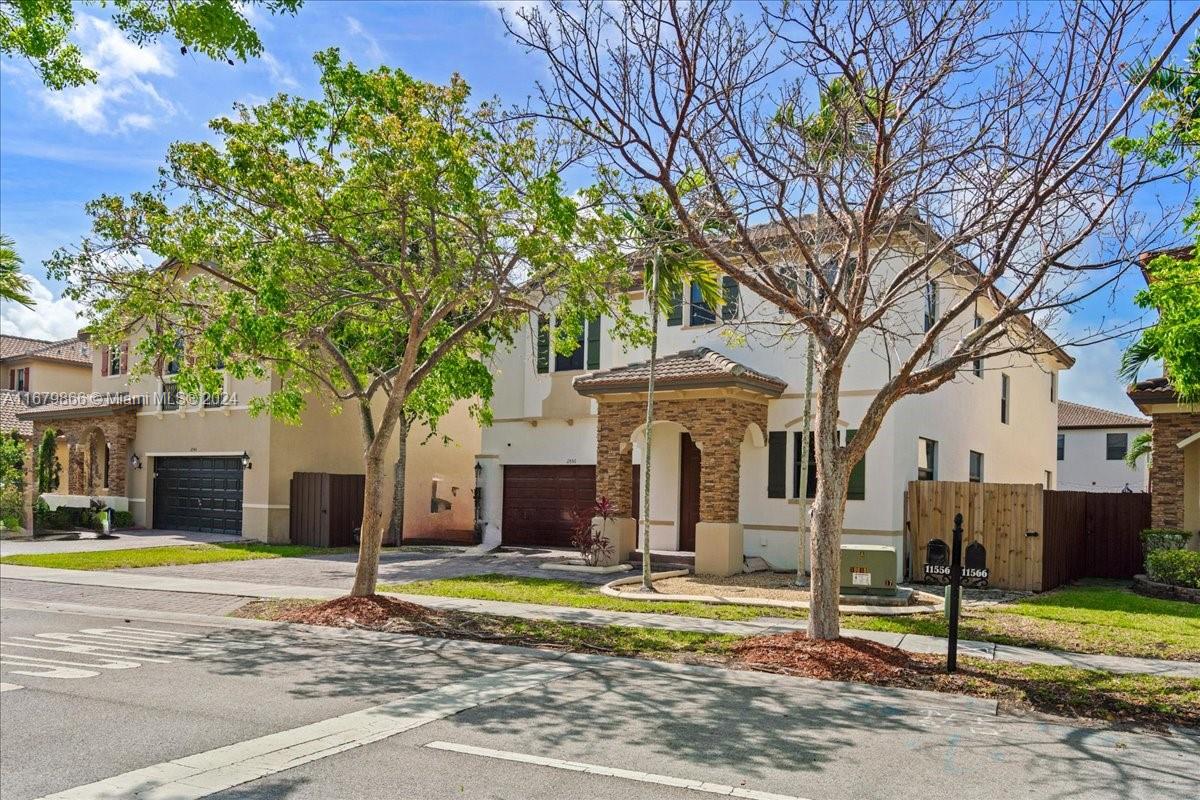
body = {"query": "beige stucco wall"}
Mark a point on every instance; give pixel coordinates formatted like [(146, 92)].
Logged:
[(49, 376)]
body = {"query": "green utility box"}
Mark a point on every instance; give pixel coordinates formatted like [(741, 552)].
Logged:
[(868, 569)]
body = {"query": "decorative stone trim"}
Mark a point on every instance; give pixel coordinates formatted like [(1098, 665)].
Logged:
[(1143, 585)]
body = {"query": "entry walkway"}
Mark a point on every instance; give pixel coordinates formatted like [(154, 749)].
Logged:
[(131, 579)]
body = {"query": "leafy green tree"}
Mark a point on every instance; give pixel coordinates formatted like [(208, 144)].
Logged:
[(39, 30), (12, 478), (1172, 140), (13, 285), (368, 247)]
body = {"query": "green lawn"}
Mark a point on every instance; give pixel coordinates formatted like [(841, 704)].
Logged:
[(550, 592), (1097, 617), (164, 556)]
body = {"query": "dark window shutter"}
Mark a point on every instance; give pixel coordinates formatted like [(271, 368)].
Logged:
[(124, 358), (593, 343), (732, 293), (543, 345), (857, 488), (105, 361), (776, 464), (675, 316)]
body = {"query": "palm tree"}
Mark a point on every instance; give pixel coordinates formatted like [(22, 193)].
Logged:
[(670, 265), (13, 285)]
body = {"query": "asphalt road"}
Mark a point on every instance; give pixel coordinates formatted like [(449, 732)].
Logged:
[(137, 690)]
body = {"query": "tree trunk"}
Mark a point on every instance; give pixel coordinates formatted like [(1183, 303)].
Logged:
[(396, 528), (652, 296), (366, 573), (803, 532), (829, 509)]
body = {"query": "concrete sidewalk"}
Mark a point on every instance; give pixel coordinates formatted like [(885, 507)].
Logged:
[(130, 579)]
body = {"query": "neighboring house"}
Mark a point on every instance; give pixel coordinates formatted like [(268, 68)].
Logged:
[(208, 465), (33, 371), (1175, 460), (728, 411), (1092, 445)]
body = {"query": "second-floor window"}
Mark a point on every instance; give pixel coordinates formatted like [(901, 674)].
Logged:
[(1053, 387), (1062, 446), (977, 364), (931, 304), (699, 313), (1116, 445), (1005, 400), (586, 354), (926, 459), (19, 379), (170, 396)]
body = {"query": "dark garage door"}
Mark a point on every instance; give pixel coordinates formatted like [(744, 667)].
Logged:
[(198, 493), (539, 501)]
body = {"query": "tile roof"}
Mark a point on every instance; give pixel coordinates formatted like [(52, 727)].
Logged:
[(72, 350), (11, 404), (688, 369), (1075, 415)]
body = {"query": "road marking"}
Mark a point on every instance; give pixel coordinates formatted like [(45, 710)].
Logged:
[(9, 687), (216, 770), (79, 654), (612, 772)]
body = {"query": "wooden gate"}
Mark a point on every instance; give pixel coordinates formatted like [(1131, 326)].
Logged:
[(325, 508), (1006, 518), (1093, 535)]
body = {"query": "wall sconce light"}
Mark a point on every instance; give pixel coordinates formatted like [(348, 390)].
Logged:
[(134, 461), (246, 460)]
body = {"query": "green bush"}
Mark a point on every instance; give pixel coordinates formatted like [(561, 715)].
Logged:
[(122, 519), (1164, 539), (1176, 567)]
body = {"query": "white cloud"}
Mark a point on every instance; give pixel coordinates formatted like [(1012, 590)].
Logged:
[(122, 89), (374, 51), (50, 317), (281, 75)]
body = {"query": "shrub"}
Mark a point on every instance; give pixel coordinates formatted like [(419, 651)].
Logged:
[(122, 519), (1164, 539), (1176, 567), (592, 545)]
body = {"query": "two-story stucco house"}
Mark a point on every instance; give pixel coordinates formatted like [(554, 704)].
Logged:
[(729, 413), (1092, 445), (208, 464)]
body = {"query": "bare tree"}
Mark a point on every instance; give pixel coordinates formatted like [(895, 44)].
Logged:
[(980, 187)]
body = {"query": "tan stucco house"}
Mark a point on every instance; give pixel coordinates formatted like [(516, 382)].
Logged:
[(210, 465)]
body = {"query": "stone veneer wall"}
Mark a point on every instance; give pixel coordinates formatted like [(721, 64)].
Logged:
[(717, 425), (118, 430), (1166, 467)]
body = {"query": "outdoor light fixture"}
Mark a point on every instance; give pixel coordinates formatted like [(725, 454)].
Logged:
[(246, 460), (134, 461)]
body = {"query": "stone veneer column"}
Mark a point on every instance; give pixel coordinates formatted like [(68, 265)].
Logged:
[(1166, 467), (614, 456)]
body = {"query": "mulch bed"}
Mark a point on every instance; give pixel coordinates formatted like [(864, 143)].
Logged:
[(835, 660), (368, 612)]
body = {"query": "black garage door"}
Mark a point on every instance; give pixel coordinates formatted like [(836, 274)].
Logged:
[(539, 502), (198, 493)]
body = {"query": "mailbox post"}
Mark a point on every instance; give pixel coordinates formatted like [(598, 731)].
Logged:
[(951, 576), (955, 593)]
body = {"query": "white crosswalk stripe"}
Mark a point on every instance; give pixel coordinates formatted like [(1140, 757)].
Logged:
[(89, 652)]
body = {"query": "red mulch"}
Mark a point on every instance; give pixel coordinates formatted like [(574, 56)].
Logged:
[(837, 659), (372, 611)]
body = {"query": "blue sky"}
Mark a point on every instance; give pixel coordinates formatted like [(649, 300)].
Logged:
[(59, 150)]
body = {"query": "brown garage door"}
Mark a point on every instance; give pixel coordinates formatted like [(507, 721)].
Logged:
[(539, 501)]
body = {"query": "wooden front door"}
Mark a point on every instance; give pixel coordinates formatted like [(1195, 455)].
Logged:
[(689, 491)]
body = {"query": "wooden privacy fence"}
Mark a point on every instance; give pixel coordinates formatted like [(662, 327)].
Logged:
[(1035, 539), (1093, 535), (325, 508), (1000, 516)]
